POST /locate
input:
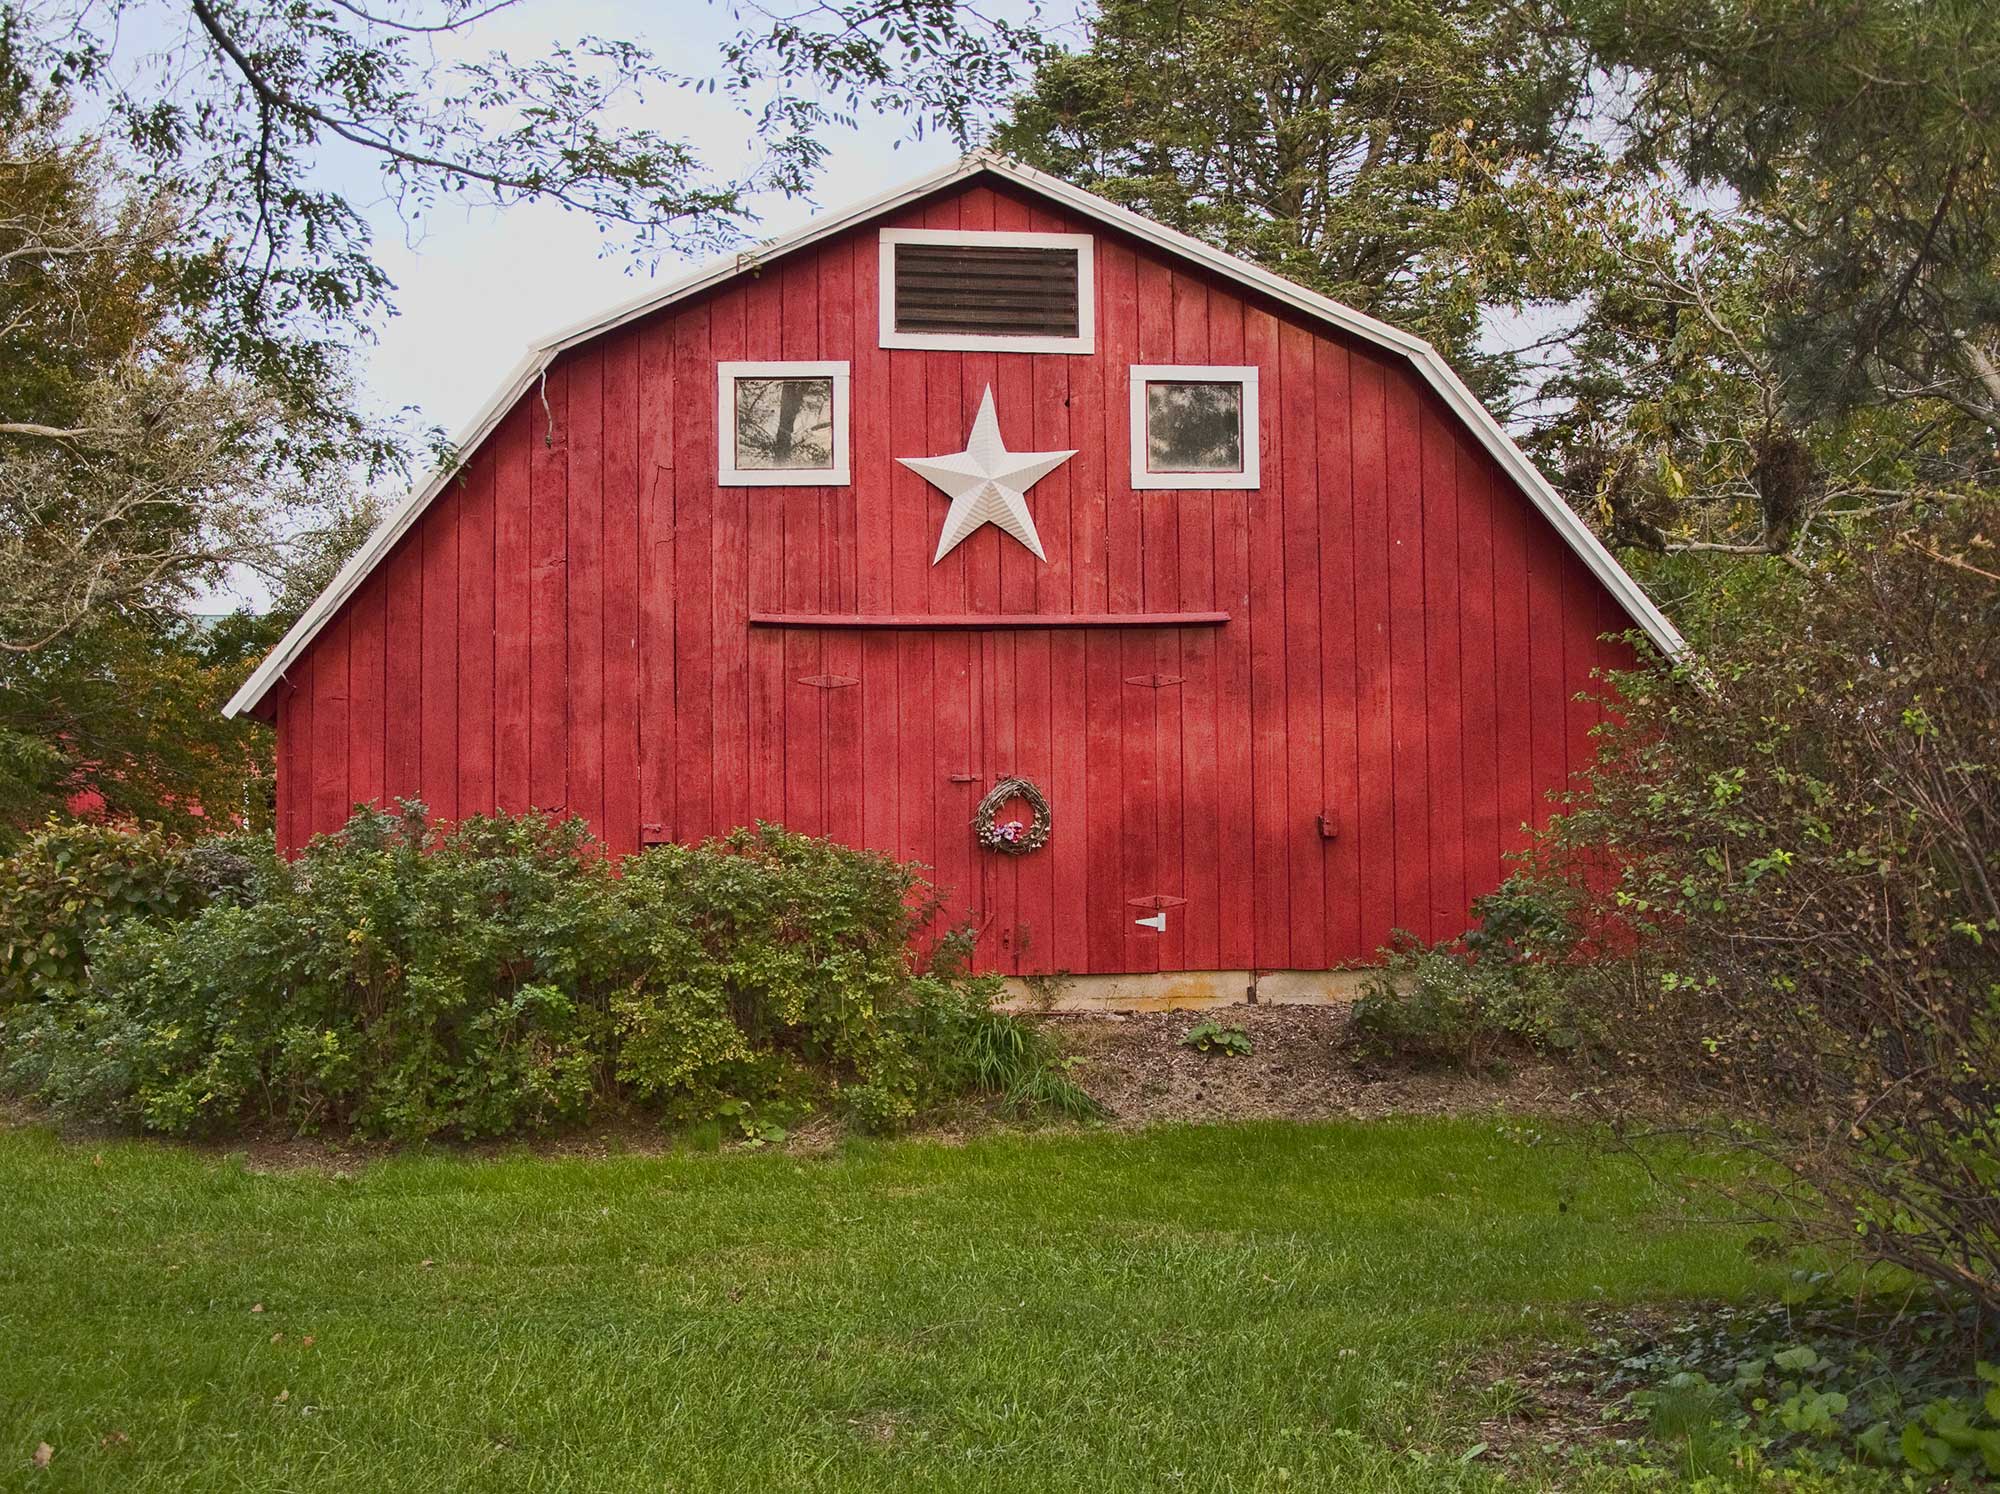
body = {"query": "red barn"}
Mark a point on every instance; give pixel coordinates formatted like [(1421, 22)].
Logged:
[(984, 479)]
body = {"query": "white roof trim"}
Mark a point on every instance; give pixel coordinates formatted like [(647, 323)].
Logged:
[(1436, 372)]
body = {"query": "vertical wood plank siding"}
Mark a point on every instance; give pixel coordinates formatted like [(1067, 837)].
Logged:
[(568, 628)]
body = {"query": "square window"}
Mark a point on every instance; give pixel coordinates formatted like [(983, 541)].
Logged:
[(782, 424), (1194, 426)]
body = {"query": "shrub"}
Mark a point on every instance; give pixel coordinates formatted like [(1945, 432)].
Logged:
[(69, 883), (764, 944), (398, 979), (1805, 850), (1507, 982), (500, 975), (1419, 1003)]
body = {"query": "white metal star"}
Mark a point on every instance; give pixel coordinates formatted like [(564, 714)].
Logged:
[(986, 483)]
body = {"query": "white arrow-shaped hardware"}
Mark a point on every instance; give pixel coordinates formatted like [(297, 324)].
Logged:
[(1158, 922)]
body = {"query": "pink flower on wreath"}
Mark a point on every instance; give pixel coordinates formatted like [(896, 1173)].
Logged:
[(1009, 832)]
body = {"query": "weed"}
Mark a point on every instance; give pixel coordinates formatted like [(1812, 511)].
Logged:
[(1212, 1037)]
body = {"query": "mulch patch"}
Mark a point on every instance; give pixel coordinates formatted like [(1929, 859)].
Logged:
[(1304, 1064)]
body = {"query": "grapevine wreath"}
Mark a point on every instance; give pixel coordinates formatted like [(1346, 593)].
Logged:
[(1013, 837)]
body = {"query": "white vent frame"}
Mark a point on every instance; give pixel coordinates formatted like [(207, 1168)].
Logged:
[(1084, 244), (729, 475), (1142, 374)]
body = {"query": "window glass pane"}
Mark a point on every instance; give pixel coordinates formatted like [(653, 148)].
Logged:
[(784, 424), (1194, 427)]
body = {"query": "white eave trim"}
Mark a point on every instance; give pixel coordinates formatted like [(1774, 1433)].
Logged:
[(1436, 372)]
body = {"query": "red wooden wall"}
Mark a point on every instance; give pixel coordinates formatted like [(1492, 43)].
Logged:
[(568, 627)]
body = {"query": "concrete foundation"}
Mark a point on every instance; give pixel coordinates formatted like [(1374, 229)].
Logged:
[(1183, 990)]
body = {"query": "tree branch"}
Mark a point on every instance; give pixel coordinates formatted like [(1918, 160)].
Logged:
[(272, 97), (1953, 561), (50, 432)]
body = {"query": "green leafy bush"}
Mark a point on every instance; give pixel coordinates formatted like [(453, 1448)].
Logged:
[(1802, 846), (1817, 1390), (70, 882), (501, 975), (1420, 1003), (1507, 982), (760, 951)]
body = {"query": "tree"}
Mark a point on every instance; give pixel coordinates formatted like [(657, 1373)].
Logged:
[(133, 480), (180, 295), (1780, 398), (133, 473), (1679, 423), (1410, 158), (258, 114), (1867, 134), (1789, 346)]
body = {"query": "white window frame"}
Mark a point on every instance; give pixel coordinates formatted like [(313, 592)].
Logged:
[(1143, 374), (1084, 244), (729, 475)]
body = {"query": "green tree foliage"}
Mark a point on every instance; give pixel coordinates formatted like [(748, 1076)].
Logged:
[(122, 723), (1680, 426), (1781, 400), (1789, 347), (1866, 133), (180, 294), (130, 477), (1409, 158)]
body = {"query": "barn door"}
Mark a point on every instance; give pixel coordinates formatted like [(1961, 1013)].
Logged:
[(821, 742), (1116, 728), (1154, 695), (890, 739)]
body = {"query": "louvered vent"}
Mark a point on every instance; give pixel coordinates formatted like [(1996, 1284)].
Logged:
[(991, 292)]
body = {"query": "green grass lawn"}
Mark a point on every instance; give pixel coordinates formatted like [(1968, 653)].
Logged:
[(1240, 1307)]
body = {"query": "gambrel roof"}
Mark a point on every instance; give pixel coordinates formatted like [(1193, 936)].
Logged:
[(1437, 373)]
